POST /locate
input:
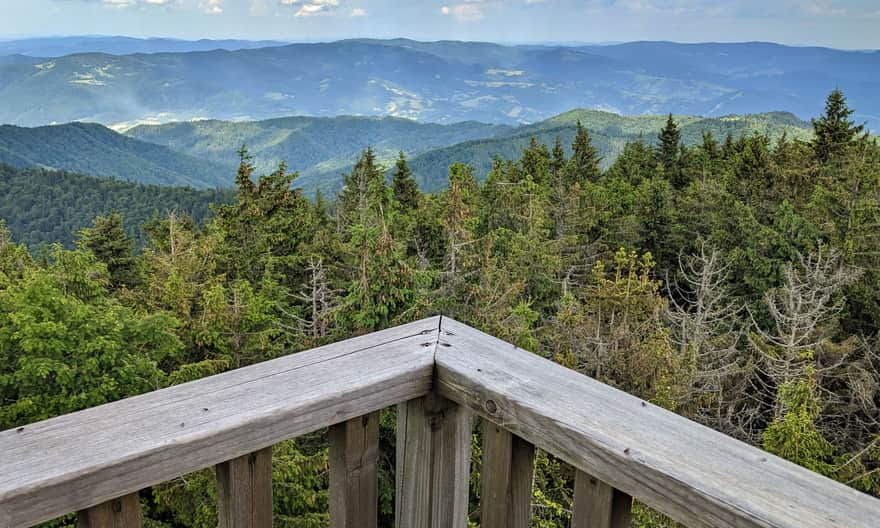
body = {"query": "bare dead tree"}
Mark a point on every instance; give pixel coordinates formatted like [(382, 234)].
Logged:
[(706, 327), (802, 310), (320, 300)]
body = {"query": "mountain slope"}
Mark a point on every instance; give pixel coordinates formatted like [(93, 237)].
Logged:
[(94, 149), (46, 206), (609, 133), (313, 146), (441, 82)]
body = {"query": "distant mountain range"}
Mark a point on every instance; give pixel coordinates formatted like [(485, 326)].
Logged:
[(442, 82), (202, 154), (60, 46)]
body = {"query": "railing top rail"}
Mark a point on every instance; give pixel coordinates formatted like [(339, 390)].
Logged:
[(698, 476), (694, 474), (78, 460)]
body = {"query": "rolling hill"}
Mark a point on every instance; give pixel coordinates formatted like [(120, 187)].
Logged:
[(443, 82), (97, 150), (323, 148), (316, 147), (609, 133)]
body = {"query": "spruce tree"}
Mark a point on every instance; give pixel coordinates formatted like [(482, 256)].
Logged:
[(381, 280), (107, 240), (834, 130), (668, 152), (710, 145), (405, 189), (584, 163)]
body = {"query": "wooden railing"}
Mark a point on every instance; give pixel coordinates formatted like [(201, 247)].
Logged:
[(439, 373)]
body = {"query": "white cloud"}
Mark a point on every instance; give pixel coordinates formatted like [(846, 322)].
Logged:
[(312, 7), (358, 12), (466, 12), (212, 7), (122, 4)]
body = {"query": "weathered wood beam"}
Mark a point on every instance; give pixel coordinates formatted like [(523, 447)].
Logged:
[(122, 512), (507, 473), (433, 464), (76, 461), (354, 481), (697, 476)]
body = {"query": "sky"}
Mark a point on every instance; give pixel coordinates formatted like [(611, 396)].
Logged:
[(848, 24)]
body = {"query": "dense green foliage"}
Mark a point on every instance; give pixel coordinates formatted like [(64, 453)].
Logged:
[(734, 282), (94, 149), (323, 147), (46, 206), (609, 133)]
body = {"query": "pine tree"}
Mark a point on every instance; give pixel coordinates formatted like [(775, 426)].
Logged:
[(835, 132), (584, 163), (557, 165), (405, 189), (107, 240), (265, 229), (536, 162), (381, 280), (669, 150), (710, 145)]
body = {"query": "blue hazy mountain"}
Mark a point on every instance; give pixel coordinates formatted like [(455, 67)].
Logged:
[(442, 82), (60, 46)]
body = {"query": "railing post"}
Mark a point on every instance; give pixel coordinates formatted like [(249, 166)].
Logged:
[(598, 505), (244, 491), (507, 473), (124, 512), (354, 484), (433, 464)]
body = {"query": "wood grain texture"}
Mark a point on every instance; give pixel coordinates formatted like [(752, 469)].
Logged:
[(507, 473), (244, 491), (695, 475), (124, 512), (354, 481), (433, 464), (82, 459), (598, 505)]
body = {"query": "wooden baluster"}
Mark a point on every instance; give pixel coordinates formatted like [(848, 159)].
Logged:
[(244, 491), (354, 483), (124, 512), (433, 464), (508, 469), (598, 505)]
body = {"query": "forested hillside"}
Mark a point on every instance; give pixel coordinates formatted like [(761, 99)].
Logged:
[(320, 148), (609, 132), (733, 281), (94, 149), (48, 206)]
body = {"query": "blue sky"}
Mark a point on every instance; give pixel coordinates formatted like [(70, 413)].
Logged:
[(836, 23)]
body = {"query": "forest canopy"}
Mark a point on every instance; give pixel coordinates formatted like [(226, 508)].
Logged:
[(734, 282)]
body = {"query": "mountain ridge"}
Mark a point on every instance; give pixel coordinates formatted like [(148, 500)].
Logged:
[(443, 82)]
